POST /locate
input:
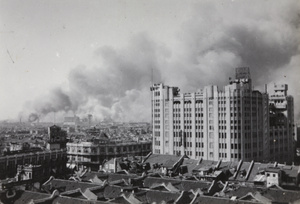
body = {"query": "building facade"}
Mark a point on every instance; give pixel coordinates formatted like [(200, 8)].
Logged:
[(229, 124), (52, 163), (57, 138), (93, 154), (282, 128)]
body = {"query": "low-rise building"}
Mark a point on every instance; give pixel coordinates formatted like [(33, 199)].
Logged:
[(53, 162), (93, 154)]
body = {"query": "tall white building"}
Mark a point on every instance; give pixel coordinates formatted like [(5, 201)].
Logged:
[(228, 124)]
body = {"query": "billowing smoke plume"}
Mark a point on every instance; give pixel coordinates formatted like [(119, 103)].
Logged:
[(263, 35), (219, 36), (33, 117), (118, 89)]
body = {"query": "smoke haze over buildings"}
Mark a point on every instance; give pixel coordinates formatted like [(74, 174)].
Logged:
[(214, 38)]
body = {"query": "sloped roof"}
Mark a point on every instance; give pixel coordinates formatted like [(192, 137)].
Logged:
[(24, 197), (292, 171), (103, 136), (28, 196), (164, 186), (112, 191), (182, 185), (256, 197), (240, 191), (66, 185), (277, 195), (67, 200), (217, 200), (89, 195), (121, 182), (188, 185), (167, 160), (159, 196), (90, 175), (281, 195), (255, 170), (126, 177), (185, 197), (77, 193), (215, 187), (130, 199), (245, 167), (98, 181)]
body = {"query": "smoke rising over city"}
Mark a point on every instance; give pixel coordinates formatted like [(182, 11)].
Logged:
[(213, 39)]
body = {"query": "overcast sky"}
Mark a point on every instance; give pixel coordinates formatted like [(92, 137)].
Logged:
[(96, 56)]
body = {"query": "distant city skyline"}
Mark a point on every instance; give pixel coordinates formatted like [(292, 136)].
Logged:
[(101, 57)]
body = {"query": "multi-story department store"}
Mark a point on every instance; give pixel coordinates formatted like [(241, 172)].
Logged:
[(230, 124)]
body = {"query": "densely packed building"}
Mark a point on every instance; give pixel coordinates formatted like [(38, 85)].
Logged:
[(229, 124), (162, 179), (52, 159), (92, 154)]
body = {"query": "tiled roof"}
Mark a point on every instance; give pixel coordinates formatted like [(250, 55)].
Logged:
[(77, 193), (142, 196), (215, 187), (114, 177), (148, 182), (67, 200), (166, 160), (185, 197), (257, 167), (183, 185), (66, 185), (130, 199), (89, 195), (23, 197), (160, 196), (216, 200), (272, 194), (256, 197), (112, 191), (121, 182), (164, 187), (241, 175), (90, 175), (205, 164), (239, 191), (98, 181), (291, 171), (281, 195), (98, 191)]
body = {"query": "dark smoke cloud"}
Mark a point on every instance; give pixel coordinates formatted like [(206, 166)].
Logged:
[(219, 36), (54, 101)]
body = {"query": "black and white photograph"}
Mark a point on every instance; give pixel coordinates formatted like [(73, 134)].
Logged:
[(150, 102)]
